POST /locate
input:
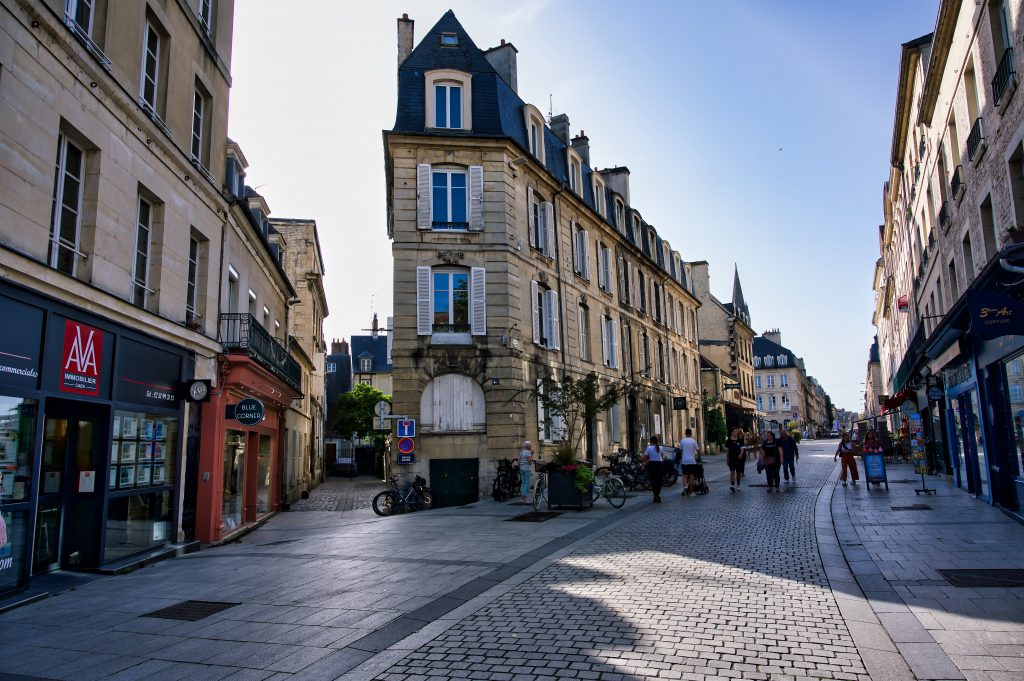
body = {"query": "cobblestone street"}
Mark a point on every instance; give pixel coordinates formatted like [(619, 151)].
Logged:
[(817, 582)]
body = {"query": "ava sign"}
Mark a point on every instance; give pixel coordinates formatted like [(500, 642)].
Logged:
[(249, 411)]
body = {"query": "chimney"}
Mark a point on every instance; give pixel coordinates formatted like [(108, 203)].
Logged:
[(343, 345), (503, 59), (560, 126), (700, 278), (618, 180), (774, 335), (405, 25), (335, 346), (581, 145), (374, 329)]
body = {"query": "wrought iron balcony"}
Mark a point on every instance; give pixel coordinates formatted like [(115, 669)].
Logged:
[(1005, 75), (956, 185), (976, 140), (944, 215), (240, 332)]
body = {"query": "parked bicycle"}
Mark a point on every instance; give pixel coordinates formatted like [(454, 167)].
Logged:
[(611, 488), (540, 489), (506, 484), (631, 469), (412, 496)]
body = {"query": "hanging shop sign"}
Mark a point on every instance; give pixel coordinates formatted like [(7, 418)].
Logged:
[(249, 412), (994, 314), (678, 403), (903, 303), (81, 359), (935, 393)]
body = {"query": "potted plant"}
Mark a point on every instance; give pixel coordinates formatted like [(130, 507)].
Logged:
[(570, 405)]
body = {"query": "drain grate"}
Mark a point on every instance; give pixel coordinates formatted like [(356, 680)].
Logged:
[(190, 611), (913, 507), (984, 577), (535, 516)]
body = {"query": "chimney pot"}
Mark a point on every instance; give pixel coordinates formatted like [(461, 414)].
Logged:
[(503, 59)]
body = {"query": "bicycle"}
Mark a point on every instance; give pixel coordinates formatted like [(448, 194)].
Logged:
[(540, 490), (506, 483), (413, 496), (611, 488)]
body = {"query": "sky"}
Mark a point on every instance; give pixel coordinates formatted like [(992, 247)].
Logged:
[(757, 134)]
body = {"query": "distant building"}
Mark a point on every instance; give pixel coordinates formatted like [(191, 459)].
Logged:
[(873, 387), (371, 359), (779, 382)]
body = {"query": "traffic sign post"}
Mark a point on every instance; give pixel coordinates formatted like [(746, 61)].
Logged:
[(406, 445), (407, 428)]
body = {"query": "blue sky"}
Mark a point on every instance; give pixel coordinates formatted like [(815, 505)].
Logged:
[(756, 133)]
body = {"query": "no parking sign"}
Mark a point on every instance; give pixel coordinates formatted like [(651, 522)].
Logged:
[(406, 445)]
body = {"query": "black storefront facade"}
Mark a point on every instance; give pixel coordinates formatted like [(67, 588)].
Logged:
[(91, 439), (967, 381)]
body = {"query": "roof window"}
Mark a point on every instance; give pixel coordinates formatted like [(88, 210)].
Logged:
[(449, 40)]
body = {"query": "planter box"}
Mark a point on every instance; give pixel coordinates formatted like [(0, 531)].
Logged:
[(562, 490)]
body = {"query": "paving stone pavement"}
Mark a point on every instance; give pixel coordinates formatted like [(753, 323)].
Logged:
[(341, 494), (806, 584)]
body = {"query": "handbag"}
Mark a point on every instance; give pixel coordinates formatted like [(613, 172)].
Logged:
[(760, 462)]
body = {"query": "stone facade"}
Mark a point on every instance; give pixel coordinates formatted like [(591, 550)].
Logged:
[(589, 295), (779, 382)]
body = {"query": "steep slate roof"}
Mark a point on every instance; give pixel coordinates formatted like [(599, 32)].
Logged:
[(764, 348), (370, 346), (497, 112)]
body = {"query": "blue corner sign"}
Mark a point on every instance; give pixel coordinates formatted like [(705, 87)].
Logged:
[(249, 412)]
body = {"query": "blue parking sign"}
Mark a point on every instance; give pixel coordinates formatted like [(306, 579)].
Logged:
[(407, 428)]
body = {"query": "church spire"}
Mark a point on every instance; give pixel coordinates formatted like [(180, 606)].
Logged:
[(739, 305)]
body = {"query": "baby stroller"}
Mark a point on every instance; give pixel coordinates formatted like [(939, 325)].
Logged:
[(700, 485)]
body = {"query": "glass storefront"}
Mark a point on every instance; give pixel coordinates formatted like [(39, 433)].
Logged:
[(978, 445), (234, 479), (142, 451), (13, 537), (137, 522), (263, 470), (1014, 369), (17, 444)]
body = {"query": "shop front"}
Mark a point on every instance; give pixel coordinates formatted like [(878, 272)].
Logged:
[(90, 439), (242, 448)]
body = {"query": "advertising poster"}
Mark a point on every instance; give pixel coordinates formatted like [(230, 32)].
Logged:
[(917, 451)]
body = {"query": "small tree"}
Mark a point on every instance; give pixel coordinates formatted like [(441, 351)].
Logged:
[(714, 428), (356, 415), (571, 403)]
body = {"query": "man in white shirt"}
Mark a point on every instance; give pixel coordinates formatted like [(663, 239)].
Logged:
[(690, 450)]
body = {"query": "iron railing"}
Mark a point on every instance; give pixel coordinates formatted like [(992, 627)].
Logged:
[(956, 184), (976, 140), (944, 215), (1004, 75), (240, 332)]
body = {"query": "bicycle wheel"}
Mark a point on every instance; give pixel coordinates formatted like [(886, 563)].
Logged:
[(499, 490), (385, 503), (426, 501), (615, 492), (540, 493), (670, 477)]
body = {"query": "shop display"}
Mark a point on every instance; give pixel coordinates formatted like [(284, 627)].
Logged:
[(143, 451)]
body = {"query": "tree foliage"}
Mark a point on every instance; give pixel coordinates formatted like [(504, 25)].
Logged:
[(714, 427), (356, 415), (571, 403)]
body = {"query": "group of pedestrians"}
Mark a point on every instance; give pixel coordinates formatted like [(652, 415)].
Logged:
[(685, 456), (774, 456)]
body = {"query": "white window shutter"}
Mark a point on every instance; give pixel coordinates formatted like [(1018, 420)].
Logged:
[(476, 198), (554, 341), (423, 308), (531, 221), (614, 353), (549, 229), (586, 255), (534, 289), (478, 304), (604, 342), (424, 197)]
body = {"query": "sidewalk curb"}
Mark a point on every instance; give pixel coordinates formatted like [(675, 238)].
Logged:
[(891, 648)]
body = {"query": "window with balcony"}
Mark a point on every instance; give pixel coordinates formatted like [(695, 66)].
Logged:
[(609, 342), (581, 251), (583, 322), (1006, 72), (450, 200), (544, 303), (66, 215), (541, 225), (450, 303)]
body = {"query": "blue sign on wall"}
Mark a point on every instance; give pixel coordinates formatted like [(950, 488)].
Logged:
[(405, 459), (994, 314)]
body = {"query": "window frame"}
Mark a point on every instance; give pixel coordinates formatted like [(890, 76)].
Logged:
[(206, 17), (60, 187), (140, 286), (198, 139), (448, 78), (449, 88), (71, 8), (599, 204), (150, 31), (450, 272), (604, 267), (533, 121), (192, 280), (449, 187), (583, 327)]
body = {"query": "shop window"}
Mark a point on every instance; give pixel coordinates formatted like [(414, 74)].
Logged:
[(234, 479), (1015, 390), (13, 550), (17, 435), (264, 469), (137, 522), (142, 452)]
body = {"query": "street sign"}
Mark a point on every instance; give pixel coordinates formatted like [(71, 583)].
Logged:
[(249, 411), (407, 428), (730, 386), (406, 445), (382, 408), (406, 459)]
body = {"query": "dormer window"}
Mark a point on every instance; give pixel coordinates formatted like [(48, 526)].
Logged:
[(449, 40), (574, 170), (635, 233), (534, 131), (769, 361), (620, 214), (598, 196), (449, 99), (782, 360)]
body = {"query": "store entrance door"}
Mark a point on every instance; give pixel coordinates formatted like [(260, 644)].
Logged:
[(67, 533)]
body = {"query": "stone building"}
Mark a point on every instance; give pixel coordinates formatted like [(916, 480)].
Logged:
[(516, 259), (950, 249), (873, 387), (371, 358), (111, 222), (779, 382), (726, 340), (303, 262)]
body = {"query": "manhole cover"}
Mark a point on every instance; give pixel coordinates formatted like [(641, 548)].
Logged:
[(913, 507), (189, 610), (536, 516), (982, 577)]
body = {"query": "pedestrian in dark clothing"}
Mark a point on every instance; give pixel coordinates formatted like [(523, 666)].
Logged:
[(771, 459), (655, 467), (790, 453), (735, 456)]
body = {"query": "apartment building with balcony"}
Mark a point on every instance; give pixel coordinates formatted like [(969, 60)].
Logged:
[(110, 233), (946, 287), (515, 258), (779, 383), (726, 341)]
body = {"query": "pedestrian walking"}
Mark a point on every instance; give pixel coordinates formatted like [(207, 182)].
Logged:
[(845, 454), (655, 467), (735, 456), (689, 450), (790, 454), (771, 459), (525, 470)]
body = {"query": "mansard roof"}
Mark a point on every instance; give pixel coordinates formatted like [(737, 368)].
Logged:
[(762, 347)]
